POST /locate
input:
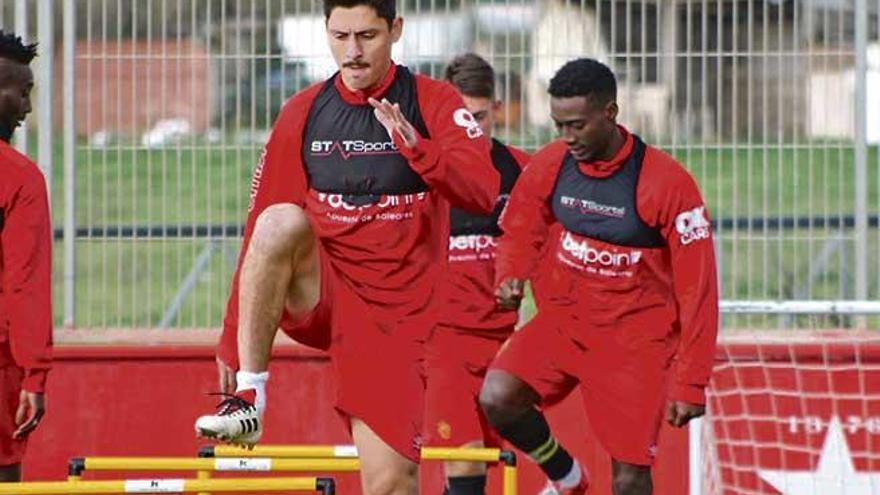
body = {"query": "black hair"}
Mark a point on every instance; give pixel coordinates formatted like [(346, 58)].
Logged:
[(584, 77), (13, 48), (386, 9), (472, 75)]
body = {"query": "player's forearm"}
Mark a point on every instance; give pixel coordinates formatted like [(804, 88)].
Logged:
[(473, 187), (35, 380), (33, 353), (697, 295), (526, 224), (30, 333), (696, 355), (516, 258), (27, 278)]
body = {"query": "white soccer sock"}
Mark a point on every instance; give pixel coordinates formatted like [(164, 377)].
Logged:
[(248, 380), (573, 477)]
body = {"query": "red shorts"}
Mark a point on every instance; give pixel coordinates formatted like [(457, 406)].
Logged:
[(313, 329), (623, 388), (456, 364), (379, 371), (11, 451)]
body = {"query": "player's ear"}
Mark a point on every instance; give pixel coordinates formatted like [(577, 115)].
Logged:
[(611, 111), (396, 29), (496, 105)]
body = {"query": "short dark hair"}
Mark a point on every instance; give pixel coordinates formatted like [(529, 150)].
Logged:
[(472, 75), (13, 48), (386, 9), (584, 77)]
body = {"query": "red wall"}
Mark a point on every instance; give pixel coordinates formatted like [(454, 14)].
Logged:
[(137, 401)]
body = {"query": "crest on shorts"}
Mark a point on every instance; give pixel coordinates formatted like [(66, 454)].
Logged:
[(444, 430)]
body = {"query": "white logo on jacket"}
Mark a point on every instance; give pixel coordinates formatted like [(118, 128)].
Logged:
[(692, 225), (587, 254), (474, 242), (589, 206), (337, 201), (352, 147), (474, 247), (465, 119)]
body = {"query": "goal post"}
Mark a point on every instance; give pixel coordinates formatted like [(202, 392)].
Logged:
[(791, 411)]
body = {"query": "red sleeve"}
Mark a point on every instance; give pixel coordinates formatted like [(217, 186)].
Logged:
[(527, 216), (684, 222), (279, 177), (522, 158), (27, 279), (455, 160)]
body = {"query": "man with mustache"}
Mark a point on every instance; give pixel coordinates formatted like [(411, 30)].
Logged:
[(25, 267), (629, 303), (346, 241)]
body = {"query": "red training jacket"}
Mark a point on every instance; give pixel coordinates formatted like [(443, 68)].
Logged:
[(25, 267)]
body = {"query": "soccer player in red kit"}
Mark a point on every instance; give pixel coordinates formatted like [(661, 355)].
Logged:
[(471, 327), (346, 241), (25, 267), (630, 304)]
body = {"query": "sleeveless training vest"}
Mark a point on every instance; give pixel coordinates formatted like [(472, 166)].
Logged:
[(465, 223), (346, 150), (604, 208)]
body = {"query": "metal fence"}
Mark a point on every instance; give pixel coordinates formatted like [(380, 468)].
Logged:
[(161, 107)]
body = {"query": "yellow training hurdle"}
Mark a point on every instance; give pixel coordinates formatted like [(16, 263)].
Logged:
[(204, 466), (77, 465), (325, 486), (505, 457), (288, 451)]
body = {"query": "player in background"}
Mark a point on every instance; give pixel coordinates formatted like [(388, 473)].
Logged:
[(25, 267), (629, 308), (471, 327), (346, 241)]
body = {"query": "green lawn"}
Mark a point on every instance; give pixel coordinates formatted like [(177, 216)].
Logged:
[(130, 283)]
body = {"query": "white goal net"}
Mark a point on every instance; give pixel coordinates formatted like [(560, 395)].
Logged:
[(792, 412)]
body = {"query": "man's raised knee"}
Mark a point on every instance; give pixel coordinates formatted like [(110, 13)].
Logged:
[(280, 227), (503, 397)]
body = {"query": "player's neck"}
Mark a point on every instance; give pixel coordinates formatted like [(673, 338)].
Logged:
[(360, 96), (618, 139), (615, 155), (5, 132)]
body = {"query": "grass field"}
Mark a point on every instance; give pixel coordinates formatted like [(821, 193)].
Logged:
[(131, 282)]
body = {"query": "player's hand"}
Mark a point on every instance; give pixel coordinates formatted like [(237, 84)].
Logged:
[(227, 377), (509, 294), (392, 118), (31, 408), (679, 413)]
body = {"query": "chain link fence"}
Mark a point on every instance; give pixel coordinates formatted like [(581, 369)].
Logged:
[(773, 105)]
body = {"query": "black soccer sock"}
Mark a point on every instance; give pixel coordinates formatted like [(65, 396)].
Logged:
[(466, 485), (531, 434)]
